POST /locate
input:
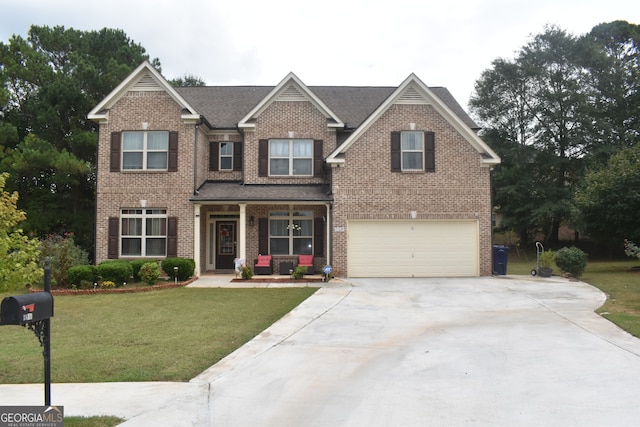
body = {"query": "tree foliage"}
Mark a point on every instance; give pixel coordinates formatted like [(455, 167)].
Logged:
[(49, 81), (561, 105), (188, 80), (18, 253), (609, 198)]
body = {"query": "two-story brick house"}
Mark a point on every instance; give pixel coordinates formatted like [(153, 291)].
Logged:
[(375, 181)]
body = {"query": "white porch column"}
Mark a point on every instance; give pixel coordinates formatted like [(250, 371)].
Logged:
[(196, 238), (328, 238), (242, 233)]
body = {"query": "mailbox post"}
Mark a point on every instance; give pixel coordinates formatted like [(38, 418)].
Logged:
[(34, 311)]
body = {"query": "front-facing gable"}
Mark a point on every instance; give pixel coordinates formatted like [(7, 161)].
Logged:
[(145, 78), (411, 92), (291, 89)]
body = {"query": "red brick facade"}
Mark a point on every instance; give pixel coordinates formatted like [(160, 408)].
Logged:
[(362, 187)]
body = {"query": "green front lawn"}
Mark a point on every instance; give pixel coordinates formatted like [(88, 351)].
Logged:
[(168, 335)]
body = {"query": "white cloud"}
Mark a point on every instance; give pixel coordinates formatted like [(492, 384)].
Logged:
[(335, 42)]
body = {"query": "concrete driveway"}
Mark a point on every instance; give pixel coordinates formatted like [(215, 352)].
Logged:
[(503, 351)]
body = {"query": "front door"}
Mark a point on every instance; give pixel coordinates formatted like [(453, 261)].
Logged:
[(225, 244)]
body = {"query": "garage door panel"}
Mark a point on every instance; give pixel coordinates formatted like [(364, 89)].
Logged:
[(412, 248)]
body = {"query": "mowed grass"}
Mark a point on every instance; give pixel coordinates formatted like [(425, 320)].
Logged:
[(167, 335), (619, 280)]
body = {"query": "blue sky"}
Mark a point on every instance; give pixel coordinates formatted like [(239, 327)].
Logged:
[(333, 42)]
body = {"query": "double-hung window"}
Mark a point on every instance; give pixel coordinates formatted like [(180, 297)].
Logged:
[(226, 156), (145, 150), (291, 233), (143, 232), (412, 147), (291, 157)]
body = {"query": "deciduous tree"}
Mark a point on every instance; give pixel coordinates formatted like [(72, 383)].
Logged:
[(18, 252)]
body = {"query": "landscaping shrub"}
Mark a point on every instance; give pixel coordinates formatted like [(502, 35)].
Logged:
[(186, 267), (149, 273), (82, 273), (136, 264), (246, 272), (299, 272), (115, 270), (63, 254), (571, 260)]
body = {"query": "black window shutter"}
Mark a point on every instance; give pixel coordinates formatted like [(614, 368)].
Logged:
[(318, 158), (318, 237), (173, 152), (114, 239), (214, 153), (172, 237), (263, 236), (429, 152), (237, 156), (263, 157), (115, 151), (396, 153)]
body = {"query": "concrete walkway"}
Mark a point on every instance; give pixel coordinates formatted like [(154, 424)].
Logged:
[(502, 351)]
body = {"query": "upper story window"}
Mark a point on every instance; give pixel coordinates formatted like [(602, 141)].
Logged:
[(413, 151), (291, 157), (143, 232), (145, 150), (226, 156), (412, 147)]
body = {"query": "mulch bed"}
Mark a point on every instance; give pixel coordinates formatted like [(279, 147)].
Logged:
[(276, 280), (123, 290)]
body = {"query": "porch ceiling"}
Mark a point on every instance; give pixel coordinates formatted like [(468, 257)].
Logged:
[(262, 193)]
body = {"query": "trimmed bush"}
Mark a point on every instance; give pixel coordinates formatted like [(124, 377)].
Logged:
[(571, 260), (115, 270), (299, 272), (186, 267), (136, 264), (79, 273), (246, 272), (149, 273), (107, 284)]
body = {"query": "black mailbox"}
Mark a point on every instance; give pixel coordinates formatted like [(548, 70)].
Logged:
[(22, 309)]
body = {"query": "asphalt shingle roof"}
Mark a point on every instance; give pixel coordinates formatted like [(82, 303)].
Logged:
[(235, 191), (224, 106)]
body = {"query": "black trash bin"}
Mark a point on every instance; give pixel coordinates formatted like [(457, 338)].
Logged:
[(500, 255)]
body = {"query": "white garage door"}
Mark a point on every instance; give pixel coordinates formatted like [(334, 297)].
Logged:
[(412, 248)]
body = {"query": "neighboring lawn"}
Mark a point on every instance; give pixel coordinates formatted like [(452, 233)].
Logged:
[(620, 280), (167, 335), (92, 421)]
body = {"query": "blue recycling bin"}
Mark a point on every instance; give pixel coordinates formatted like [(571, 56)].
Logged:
[(500, 255)]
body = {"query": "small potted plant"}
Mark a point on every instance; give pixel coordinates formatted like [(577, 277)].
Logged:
[(546, 260)]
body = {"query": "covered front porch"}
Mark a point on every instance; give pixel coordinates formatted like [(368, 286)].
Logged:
[(236, 221)]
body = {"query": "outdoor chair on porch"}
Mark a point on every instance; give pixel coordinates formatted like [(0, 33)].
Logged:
[(306, 261), (263, 265)]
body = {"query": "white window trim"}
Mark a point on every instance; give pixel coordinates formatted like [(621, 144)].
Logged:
[(220, 156), (290, 219), (403, 151), (145, 213), (145, 152), (291, 157)]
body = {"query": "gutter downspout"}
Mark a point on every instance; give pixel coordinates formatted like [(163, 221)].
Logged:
[(195, 156)]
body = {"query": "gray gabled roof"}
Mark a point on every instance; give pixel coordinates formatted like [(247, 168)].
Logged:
[(216, 191), (224, 106)]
